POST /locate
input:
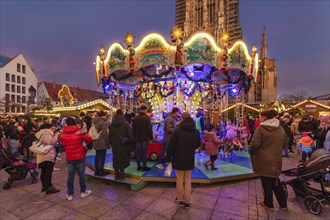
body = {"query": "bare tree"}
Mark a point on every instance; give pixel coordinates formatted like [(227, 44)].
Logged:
[(6, 105), (294, 96)]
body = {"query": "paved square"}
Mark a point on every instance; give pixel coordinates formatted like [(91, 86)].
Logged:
[(111, 200)]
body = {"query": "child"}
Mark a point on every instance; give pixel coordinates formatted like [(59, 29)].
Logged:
[(83, 130), (306, 144), (211, 146)]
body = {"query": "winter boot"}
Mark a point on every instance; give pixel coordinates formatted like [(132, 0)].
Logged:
[(102, 173), (96, 172), (117, 175), (207, 164), (213, 167), (121, 175)]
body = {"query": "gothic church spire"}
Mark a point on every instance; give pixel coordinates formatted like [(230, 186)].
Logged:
[(264, 50)]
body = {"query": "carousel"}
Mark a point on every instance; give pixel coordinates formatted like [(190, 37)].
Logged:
[(188, 74)]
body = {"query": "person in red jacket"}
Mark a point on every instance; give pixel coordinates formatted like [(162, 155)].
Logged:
[(72, 141)]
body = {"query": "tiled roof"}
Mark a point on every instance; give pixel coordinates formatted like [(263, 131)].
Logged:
[(4, 60), (80, 94), (322, 97)]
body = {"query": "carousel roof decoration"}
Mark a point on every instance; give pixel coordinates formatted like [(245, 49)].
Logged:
[(155, 62)]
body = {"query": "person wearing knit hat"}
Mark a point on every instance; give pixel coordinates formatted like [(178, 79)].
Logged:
[(307, 146), (181, 151), (185, 115)]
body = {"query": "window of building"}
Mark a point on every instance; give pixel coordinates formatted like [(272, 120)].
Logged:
[(13, 78), (7, 100), (7, 76), (18, 109), (18, 99), (23, 99), (23, 109), (19, 67), (23, 81), (12, 109), (23, 89), (12, 98), (23, 69), (12, 88), (7, 87), (18, 79), (18, 89)]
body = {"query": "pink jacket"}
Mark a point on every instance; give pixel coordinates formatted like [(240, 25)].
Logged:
[(211, 143)]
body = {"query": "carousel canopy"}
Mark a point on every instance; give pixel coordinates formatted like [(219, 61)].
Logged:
[(199, 60)]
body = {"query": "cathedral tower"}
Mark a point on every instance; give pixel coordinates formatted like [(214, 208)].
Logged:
[(214, 16), (265, 89)]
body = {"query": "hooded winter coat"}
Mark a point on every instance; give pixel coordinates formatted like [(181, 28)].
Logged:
[(266, 148), (121, 152), (72, 141), (183, 143), (306, 144), (211, 143), (102, 143), (46, 136)]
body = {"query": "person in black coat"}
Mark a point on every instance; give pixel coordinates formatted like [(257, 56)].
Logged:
[(181, 149), (142, 132), (121, 138), (305, 125)]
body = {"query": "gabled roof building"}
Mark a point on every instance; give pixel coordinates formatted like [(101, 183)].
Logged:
[(16, 77)]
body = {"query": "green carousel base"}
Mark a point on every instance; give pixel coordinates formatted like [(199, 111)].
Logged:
[(237, 166)]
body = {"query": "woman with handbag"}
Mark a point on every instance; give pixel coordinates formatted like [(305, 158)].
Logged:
[(101, 144), (121, 138), (46, 161)]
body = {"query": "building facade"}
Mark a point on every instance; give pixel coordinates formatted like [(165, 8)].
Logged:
[(50, 90), (265, 88), (214, 16), (17, 78)]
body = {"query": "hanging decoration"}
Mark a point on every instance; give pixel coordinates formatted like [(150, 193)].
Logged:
[(177, 73)]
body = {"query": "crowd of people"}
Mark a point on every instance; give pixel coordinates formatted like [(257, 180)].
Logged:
[(271, 137)]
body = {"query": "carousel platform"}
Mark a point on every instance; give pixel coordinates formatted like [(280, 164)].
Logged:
[(236, 166)]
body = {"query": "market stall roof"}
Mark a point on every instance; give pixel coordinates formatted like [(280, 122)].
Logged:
[(56, 111)]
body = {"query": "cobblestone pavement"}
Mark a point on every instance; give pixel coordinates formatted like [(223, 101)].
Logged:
[(109, 200)]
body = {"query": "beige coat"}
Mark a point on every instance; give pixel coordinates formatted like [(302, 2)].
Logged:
[(47, 136), (294, 126)]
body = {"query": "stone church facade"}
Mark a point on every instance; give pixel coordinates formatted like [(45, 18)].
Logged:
[(217, 17)]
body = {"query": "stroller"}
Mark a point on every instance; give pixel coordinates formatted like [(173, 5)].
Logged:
[(314, 169), (17, 169)]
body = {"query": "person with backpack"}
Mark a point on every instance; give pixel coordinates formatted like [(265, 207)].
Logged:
[(100, 136)]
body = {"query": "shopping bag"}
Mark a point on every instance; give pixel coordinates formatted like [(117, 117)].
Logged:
[(40, 148), (168, 170), (93, 133)]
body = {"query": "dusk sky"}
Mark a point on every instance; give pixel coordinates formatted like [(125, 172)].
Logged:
[(60, 39)]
